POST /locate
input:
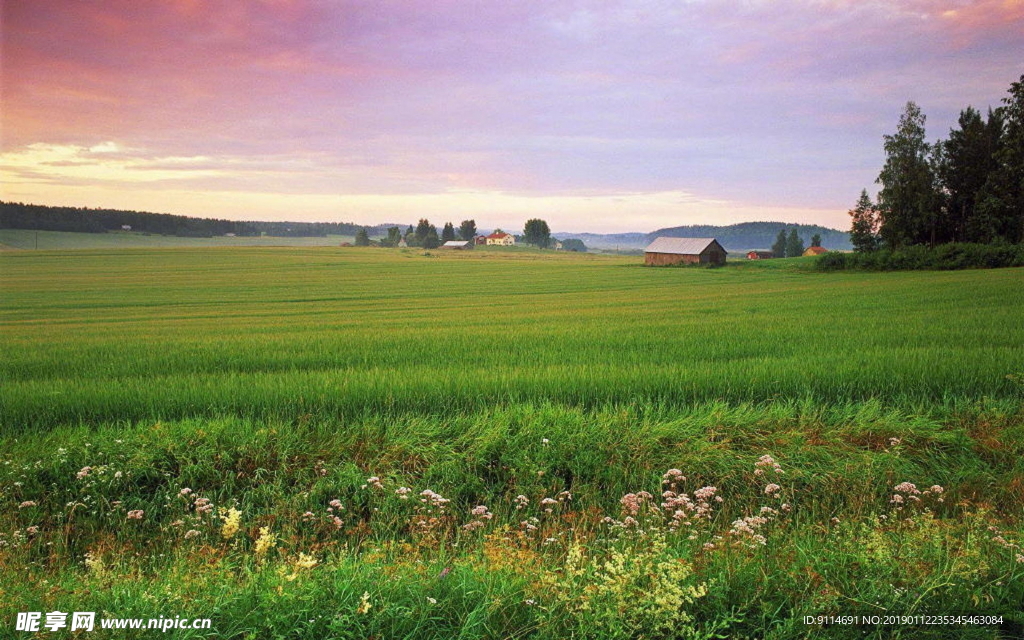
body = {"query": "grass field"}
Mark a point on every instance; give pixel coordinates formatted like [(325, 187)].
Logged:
[(61, 240), (321, 401)]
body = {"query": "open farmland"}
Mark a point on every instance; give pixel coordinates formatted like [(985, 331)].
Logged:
[(299, 391)]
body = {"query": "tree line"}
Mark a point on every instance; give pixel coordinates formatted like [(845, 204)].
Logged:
[(17, 215), (968, 188)]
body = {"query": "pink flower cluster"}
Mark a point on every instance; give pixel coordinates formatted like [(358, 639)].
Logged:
[(908, 493), (766, 463), (480, 515), (136, 514)]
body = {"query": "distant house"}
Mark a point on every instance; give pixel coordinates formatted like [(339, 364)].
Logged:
[(126, 227), (501, 238), (458, 245), (402, 244), (760, 255), (667, 251), (815, 251), (480, 240)]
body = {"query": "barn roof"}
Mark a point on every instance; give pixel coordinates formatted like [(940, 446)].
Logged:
[(684, 246), (456, 244)]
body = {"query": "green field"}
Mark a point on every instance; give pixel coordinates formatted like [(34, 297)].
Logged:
[(61, 240), (277, 380)]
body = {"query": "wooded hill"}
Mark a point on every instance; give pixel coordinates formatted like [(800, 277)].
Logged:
[(16, 215)]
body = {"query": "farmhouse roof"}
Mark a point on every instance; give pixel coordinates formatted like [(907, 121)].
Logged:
[(684, 246), (456, 244), (815, 251), (498, 234)]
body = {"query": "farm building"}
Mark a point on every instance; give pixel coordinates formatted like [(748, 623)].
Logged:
[(760, 255), (667, 251), (501, 238), (815, 251), (458, 245)]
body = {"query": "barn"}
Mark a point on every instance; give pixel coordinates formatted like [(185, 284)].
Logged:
[(667, 251), (815, 251), (760, 255), (457, 245)]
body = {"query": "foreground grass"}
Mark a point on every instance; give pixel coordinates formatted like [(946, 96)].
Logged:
[(319, 443), (135, 521)]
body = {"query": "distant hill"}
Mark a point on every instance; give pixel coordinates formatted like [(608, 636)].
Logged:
[(757, 235), (735, 237)]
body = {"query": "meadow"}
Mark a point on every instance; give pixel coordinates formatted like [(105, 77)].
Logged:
[(317, 442)]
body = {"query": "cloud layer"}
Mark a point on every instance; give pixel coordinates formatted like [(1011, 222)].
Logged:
[(585, 113)]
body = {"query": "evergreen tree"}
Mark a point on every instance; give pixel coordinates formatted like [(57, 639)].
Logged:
[(816, 240), (794, 245), (423, 229), (864, 228), (779, 248), (468, 229), (968, 160), (362, 238), (1000, 207), (431, 241), (448, 233), (906, 201)]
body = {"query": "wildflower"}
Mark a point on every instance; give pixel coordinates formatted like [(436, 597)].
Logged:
[(33, 530), (374, 482), (895, 442), (336, 504), (530, 602), (431, 600), (766, 462), (772, 489), (545, 441), (403, 493), (548, 503), (184, 492), (338, 522), (673, 475), (136, 514), (521, 501), (305, 562), (27, 504), (191, 533), (83, 472), (265, 542), (202, 505), (564, 496), (364, 604), (118, 474), (232, 521)]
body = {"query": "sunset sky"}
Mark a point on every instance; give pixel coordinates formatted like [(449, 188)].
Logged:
[(597, 116)]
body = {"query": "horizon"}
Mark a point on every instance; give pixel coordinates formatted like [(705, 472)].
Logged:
[(610, 117)]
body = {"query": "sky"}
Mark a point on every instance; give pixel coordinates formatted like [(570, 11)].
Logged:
[(599, 116)]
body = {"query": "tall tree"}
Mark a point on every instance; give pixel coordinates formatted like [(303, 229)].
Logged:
[(779, 248), (468, 229), (448, 233), (423, 229), (864, 228), (794, 245), (1000, 208), (816, 240), (537, 233), (967, 160), (906, 201)]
